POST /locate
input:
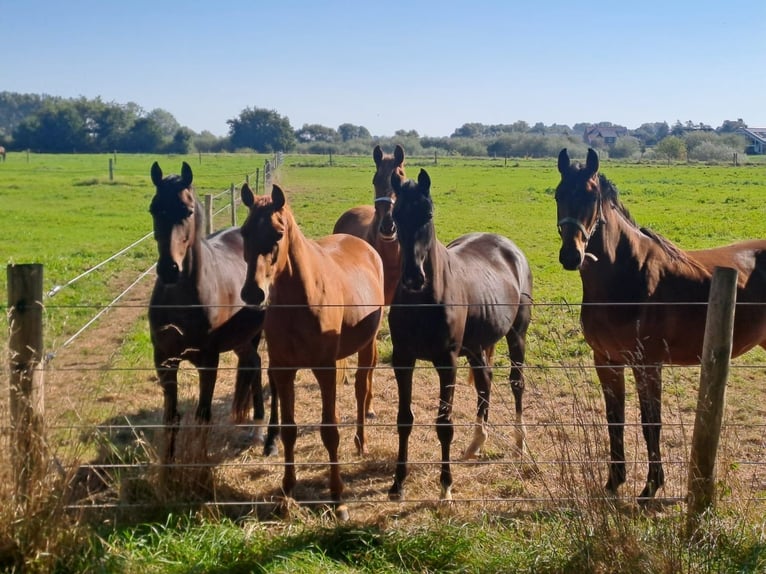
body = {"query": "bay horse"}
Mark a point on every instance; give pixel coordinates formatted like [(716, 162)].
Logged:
[(195, 311), (374, 223), (453, 301), (620, 262), (324, 302)]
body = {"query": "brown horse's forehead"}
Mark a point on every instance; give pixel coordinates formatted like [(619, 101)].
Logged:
[(576, 184), (382, 177)]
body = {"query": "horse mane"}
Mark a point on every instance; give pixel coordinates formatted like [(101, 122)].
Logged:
[(610, 193)]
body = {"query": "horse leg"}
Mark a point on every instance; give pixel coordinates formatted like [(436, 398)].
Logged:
[(447, 369), (249, 389), (403, 366), (612, 378), (167, 373), (649, 385), (368, 410), (366, 358), (270, 444), (517, 349), (482, 379), (326, 378), (284, 382), (207, 370)]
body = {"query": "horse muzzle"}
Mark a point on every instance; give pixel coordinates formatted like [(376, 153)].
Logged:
[(571, 259), (252, 294)]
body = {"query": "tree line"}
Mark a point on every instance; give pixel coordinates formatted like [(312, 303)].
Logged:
[(50, 124)]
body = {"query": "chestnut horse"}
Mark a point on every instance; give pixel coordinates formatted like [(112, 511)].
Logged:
[(324, 302), (620, 262), (194, 298), (453, 301)]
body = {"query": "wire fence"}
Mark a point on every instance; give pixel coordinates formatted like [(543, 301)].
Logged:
[(103, 424)]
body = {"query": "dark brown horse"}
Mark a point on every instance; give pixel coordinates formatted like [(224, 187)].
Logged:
[(620, 263), (195, 296), (374, 224), (453, 301), (324, 303)]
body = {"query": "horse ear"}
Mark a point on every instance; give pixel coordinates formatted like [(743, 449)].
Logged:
[(156, 174), (591, 162), (399, 154), (247, 195), (377, 155), (278, 197), (186, 174), (563, 161), (424, 182)]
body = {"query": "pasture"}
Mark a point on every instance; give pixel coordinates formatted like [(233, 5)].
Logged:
[(103, 403)]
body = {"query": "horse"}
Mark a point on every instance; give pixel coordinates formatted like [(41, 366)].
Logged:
[(195, 311), (374, 224), (2, 153), (659, 294), (324, 302), (453, 301)]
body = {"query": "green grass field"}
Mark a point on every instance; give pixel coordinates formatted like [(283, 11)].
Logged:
[(63, 211)]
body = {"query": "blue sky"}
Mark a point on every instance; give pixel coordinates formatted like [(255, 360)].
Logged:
[(390, 64)]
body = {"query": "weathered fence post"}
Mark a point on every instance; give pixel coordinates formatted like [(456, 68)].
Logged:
[(25, 342), (111, 169), (208, 214), (715, 360), (233, 199), (257, 179)]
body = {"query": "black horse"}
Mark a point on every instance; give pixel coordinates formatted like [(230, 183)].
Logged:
[(196, 312), (453, 301)]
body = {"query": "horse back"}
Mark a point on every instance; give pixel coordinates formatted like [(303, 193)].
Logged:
[(493, 278), (357, 221)]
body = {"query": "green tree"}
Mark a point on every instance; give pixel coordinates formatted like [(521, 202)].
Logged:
[(350, 132), (167, 123), (671, 147), (181, 142), (263, 130), (57, 128), (144, 136), (316, 133)]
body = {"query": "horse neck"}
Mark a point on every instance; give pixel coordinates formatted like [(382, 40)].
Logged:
[(436, 265), (198, 256), (294, 263), (624, 253)]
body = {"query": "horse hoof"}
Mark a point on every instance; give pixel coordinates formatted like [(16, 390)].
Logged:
[(395, 494), (341, 513), (270, 450), (370, 415)]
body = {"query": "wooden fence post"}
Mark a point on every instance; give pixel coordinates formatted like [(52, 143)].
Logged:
[(233, 199), (715, 360), (111, 169), (208, 214), (25, 341)]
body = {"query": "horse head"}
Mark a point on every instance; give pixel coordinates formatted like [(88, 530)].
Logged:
[(386, 165), (262, 232), (413, 216), (579, 209), (176, 216)]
